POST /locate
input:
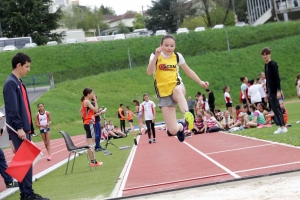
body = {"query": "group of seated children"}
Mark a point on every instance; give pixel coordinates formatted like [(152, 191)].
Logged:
[(111, 131), (247, 116), (205, 122), (252, 116)]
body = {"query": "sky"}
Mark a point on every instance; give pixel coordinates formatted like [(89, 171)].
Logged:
[(119, 6)]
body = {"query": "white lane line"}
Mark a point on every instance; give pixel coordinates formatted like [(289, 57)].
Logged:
[(213, 161), (239, 149), (267, 141), (118, 190), (266, 167)]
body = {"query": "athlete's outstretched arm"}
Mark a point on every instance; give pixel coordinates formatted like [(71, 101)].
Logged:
[(193, 75)]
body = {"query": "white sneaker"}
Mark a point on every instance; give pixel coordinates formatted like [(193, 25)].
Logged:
[(298, 122), (284, 130), (279, 130)]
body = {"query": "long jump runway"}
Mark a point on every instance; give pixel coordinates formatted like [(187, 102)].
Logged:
[(203, 159)]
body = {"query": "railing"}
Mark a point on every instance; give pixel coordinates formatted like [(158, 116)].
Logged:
[(257, 10)]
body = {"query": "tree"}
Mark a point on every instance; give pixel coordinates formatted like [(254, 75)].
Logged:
[(192, 22), (138, 22), (241, 10), (122, 28), (215, 12), (32, 18), (107, 10), (168, 14)]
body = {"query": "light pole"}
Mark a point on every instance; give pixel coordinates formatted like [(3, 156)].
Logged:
[(235, 17), (0, 30)]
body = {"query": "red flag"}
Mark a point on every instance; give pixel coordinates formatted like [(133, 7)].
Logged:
[(23, 160)]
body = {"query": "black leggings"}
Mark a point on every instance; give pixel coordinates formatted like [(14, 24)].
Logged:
[(275, 107), (150, 126), (213, 129), (122, 125)]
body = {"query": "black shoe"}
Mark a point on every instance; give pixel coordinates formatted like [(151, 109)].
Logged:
[(180, 134), (150, 141), (99, 149), (35, 197), (169, 134)]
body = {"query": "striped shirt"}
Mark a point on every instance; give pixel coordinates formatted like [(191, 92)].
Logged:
[(211, 122)]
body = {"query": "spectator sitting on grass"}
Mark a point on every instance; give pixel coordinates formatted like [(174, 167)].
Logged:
[(258, 118), (218, 114), (263, 109), (115, 129), (198, 125), (108, 133), (242, 118), (227, 121), (211, 124)]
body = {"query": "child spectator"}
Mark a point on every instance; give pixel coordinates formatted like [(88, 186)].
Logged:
[(242, 118), (254, 92), (218, 114), (244, 90), (237, 112), (43, 121), (227, 121), (198, 125), (258, 118), (262, 91), (205, 105), (211, 124), (228, 99), (129, 118)]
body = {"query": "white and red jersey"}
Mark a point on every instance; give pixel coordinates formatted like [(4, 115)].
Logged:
[(43, 119), (227, 97), (211, 122), (148, 109)]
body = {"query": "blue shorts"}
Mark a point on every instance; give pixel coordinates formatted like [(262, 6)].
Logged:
[(43, 130)]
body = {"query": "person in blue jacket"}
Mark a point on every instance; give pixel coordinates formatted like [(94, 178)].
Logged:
[(18, 116)]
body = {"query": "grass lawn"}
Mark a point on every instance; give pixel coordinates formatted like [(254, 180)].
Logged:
[(82, 183), (85, 184)]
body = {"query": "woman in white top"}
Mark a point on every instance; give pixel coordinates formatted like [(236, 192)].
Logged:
[(254, 92), (43, 121), (228, 99)]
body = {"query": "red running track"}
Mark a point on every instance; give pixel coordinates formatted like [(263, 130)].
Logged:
[(204, 159), (59, 153)]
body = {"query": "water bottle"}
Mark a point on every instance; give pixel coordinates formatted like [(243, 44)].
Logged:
[(135, 142)]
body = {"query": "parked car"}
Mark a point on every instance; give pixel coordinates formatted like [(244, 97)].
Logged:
[(182, 30), (119, 36), (71, 41), (161, 32), (51, 43), (241, 24), (9, 48), (91, 39), (218, 26), (29, 45), (144, 34), (198, 29)]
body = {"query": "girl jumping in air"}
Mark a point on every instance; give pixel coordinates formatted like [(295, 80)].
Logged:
[(43, 121), (164, 65), (87, 111)]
